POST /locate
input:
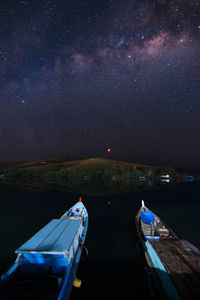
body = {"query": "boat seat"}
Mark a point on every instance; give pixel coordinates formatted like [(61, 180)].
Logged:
[(162, 229), (148, 229), (164, 232)]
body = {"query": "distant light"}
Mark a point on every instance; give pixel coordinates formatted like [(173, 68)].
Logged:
[(108, 150)]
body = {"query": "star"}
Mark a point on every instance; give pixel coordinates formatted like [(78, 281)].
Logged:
[(93, 72)]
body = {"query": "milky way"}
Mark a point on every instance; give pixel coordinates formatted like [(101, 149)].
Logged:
[(77, 77)]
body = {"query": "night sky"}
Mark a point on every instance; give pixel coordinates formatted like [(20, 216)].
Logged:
[(78, 77)]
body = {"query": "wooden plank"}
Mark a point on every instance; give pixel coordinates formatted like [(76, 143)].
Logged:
[(182, 264)]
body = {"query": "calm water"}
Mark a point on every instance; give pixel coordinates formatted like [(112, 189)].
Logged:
[(113, 269)]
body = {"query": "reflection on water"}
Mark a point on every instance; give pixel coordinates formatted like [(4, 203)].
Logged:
[(92, 187), (113, 269)]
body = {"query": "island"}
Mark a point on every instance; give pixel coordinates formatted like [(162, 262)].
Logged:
[(98, 168)]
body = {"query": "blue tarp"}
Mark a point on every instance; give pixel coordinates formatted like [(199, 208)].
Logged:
[(147, 217), (57, 236)]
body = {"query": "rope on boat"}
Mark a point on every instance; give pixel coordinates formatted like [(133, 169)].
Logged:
[(86, 250), (77, 282)]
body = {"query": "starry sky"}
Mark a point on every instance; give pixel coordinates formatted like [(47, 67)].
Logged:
[(79, 77)]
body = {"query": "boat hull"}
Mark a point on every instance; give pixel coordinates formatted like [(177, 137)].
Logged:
[(152, 275), (173, 264), (50, 263)]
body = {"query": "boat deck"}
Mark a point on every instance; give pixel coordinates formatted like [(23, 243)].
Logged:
[(56, 237), (182, 262)]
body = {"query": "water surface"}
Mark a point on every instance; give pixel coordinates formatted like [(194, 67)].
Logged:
[(113, 268)]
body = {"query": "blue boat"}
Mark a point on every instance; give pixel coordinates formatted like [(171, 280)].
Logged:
[(172, 265), (46, 265)]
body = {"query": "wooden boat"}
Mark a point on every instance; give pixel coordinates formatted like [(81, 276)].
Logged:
[(46, 264), (172, 264)]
